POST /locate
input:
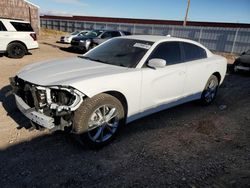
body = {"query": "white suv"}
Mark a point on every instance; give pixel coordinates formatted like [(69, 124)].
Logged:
[(16, 38)]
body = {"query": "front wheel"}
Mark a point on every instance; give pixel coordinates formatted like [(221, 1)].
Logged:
[(210, 91), (233, 68), (98, 119), (93, 45)]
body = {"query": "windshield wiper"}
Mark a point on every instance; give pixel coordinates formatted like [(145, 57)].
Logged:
[(92, 59), (121, 55), (101, 61)]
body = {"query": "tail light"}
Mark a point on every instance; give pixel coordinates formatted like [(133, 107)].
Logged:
[(33, 35)]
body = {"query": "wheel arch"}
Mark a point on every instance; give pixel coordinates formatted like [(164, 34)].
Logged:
[(121, 98), (218, 75), (18, 41)]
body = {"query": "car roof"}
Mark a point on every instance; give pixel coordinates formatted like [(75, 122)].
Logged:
[(13, 20), (109, 30), (151, 38), (159, 39)]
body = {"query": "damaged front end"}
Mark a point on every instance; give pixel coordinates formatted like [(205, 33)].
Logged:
[(51, 107)]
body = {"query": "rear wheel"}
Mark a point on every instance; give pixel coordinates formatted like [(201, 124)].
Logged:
[(233, 68), (16, 50), (210, 91), (98, 120), (93, 45)]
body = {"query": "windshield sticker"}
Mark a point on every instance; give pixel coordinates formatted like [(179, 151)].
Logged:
[(144, 46)]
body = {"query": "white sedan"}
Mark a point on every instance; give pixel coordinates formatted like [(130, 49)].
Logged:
[(68, 38), (121, 80)]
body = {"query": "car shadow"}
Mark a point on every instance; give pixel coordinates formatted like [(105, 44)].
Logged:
[(71, 50), (56, 160), (65, 49), (6, 55), (57, 157), (52, 45), (9, 105)]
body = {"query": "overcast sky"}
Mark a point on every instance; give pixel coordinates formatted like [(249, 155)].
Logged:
[(200, 10)]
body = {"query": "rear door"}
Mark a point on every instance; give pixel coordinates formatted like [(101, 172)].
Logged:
[(198, 66), (3, 33), (105, 36), (108, 35)]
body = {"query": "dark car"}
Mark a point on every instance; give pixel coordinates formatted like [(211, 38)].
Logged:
[(242, 63), (94, 38)]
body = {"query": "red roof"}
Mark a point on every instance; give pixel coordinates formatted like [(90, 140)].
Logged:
[(146, 21)]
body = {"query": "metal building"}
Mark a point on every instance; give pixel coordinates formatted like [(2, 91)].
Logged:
[(219, 37), (21, 9)]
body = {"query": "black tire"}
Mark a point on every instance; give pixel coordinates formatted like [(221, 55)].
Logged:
[(16, 50), (233, 67), (92, 45), (208, 94), (88, 109), (230, 69)]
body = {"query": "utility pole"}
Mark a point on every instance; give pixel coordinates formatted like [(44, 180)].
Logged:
[(185, 20)]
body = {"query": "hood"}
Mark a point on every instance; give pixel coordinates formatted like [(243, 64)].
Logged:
[(66, 71)]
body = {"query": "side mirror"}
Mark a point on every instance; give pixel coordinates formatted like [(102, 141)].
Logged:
[(157, 63)]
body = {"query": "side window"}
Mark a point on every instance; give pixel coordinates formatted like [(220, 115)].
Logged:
[(106, 35), (82, 33), (115, 34), (193, 52), (169, 51), (2, 27), (19, 26), (126, 33)]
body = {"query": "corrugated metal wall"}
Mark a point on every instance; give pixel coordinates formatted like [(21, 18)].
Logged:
[(19, 9), (233, 40)]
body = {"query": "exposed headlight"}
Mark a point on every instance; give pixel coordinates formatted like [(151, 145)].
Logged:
[(82, 41), (59, 98), (41, 98), (62, 97)]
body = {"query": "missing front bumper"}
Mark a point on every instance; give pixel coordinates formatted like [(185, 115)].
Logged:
[(33, 115)]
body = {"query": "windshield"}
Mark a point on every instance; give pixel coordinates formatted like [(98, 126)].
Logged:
[(82, 33), (74, 33), (93, 33), (120, 52)]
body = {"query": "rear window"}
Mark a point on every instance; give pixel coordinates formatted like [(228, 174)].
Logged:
[(193, 52), (115, 34), (22, 26), (126, 33), (2, 27)]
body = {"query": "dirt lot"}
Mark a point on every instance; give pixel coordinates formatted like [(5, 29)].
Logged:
[(186, 146)]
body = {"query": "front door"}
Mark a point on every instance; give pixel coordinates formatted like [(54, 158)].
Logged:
[(163, 85)]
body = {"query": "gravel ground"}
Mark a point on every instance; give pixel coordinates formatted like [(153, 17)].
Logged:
[(186, 146)]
